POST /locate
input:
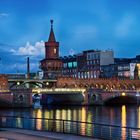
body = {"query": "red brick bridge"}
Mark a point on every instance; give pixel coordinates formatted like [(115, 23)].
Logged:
[(107, 84), (104, 91)]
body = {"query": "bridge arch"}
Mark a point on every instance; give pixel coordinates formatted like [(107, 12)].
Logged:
[(119, 99), (30, 83)]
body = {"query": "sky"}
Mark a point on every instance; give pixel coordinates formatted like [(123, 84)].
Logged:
[(78, 25)]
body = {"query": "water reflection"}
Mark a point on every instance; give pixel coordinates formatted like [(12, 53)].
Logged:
[(39, 121), (123, 122), (138, 117), (83, 125), (19, 123), (121, 115)]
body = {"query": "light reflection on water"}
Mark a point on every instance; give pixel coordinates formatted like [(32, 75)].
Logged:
[(123, 122), (138, 117), (121, 115)]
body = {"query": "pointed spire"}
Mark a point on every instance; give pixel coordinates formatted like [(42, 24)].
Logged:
[(52, 36)]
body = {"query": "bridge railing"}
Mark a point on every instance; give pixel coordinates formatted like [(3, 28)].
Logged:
[(95, 130)]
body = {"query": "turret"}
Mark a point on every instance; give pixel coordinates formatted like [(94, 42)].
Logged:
[(51, 47)]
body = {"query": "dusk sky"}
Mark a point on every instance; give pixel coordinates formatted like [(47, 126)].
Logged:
[(78, 25)]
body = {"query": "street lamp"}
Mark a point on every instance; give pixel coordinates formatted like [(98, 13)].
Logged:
[(18, 83), (123, 93), (47, 83)]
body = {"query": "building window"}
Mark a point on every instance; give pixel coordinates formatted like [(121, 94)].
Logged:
[(70, 64), (90, 62), (88, 57), (65, 65), (74, 64)]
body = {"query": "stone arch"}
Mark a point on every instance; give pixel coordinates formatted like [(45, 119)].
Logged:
[(114, 86), (92, 85), (107, 87), (130, 86), (22, 85), (97, 85), (119, 99), (86, 85), (134, 86), (123, 86), (81, 85), (65, 85)]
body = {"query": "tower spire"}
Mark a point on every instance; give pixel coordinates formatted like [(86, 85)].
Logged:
[(51, 23), (51, 36)]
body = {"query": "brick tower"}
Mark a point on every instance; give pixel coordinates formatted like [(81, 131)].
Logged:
[(52, 64)]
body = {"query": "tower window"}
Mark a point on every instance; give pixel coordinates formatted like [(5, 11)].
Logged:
[(54, 50)]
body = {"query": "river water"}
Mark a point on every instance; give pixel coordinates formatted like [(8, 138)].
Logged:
[(114, 115)]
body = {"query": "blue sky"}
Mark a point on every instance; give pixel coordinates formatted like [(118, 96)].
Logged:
[(78, 25)]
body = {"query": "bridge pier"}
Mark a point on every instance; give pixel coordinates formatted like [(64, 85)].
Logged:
[(94, 97), (22, 99)]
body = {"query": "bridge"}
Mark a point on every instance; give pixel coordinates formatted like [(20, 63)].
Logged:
[(101, 97), (106, 84), (25, 97), (31, 83), (97, 91)]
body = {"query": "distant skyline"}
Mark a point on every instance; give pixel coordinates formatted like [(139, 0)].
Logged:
[(78, 25)]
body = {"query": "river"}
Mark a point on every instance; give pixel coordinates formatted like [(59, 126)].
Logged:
[(115, 115)]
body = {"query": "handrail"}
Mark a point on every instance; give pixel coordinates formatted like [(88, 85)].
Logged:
[(94, 123), (90, 129)]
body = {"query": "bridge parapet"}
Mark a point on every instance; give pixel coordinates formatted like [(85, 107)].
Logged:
[(108, 84)]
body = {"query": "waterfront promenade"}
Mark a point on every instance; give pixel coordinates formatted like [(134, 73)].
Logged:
[(23, 134)]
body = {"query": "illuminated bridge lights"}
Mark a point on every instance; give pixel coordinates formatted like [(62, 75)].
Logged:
[(4, 90), (123, 93), (39, 90)]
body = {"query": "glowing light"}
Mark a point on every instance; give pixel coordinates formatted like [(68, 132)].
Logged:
[(63, 114), (3, 90), (39, 90), (39, 121), (18, 83), (19, 122), (123, 122), (83, 125), (123, 93), (137, 94)]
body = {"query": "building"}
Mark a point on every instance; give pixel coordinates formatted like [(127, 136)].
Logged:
[(95, 59), (86, 65), (3, 83), (69, 66), (52, 64), (109, 71), (123, 68)]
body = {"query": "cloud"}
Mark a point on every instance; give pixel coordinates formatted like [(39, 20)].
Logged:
[(30, 50), (124, 26), (4, 14)]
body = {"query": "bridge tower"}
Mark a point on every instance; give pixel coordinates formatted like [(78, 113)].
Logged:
[(52, 64)]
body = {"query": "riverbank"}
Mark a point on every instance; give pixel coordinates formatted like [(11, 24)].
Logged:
[(23, 134)]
